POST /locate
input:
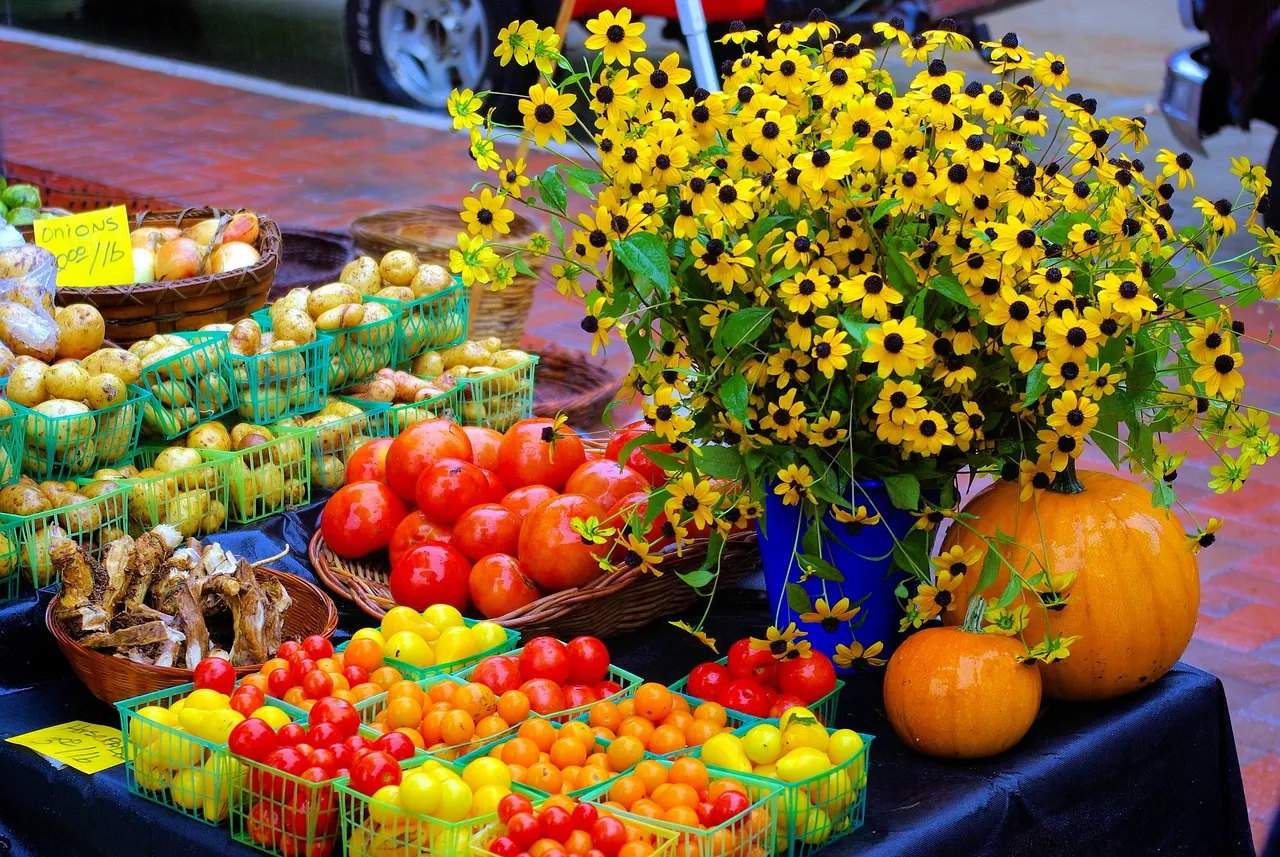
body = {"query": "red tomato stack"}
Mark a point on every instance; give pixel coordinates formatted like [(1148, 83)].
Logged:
[(755, 683)]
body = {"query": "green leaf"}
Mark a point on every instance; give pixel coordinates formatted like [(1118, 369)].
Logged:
[(901, 275), (521, 266), (1106, 434), (581, 179), (820, 568), (797, 599), (1162, 495), (697, 578), (743, 326), (950, 287), (644, 255), (656, 501), (1010, 592), (734, 396), (904, 490), (883, 208), (857, 330), (912, 555), (552, 190), (1037, 383), (1142, 378), (719, 462), (558, 231), (990, 567)]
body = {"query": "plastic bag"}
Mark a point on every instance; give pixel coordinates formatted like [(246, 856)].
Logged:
[(28, 284)]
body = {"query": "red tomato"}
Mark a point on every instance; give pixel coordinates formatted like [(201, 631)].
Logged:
[(608, 688), (545, 657), (291, 760), (317, 646), (375, 770), (355, 675), (512, 804), (291, 734), (497, 488), (317, 684), (499, 674), (747, 696), (287, 648), (252, 738), (247, 700), (484, 446), (324, 759), (781, 703), (324, 734), (397, 744), (521, 500), (431, 574), (503, 846), (499, 585), (265, 823), (609, 835), (545, 696), (605, 481), (629, 512), (419, 446), (359, 518), (588, 660), (576, 695), (215, 674), (369, 462), (449, 487), (534, 453), (556, 823), (279, 681), (728, 805), (637, 460), (707, 681), (585, 816), (485, 529), (809, 678), (523, 828), (554, 555), (417, 529), (746, 662), (339, 712)]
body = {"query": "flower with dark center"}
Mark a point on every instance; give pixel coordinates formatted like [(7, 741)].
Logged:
[(1145, 269), (958, 173), (1090, 236), (1165, 211), (857, 256), (1057, 66), (1066, 443), (954, 363), (990, 286), (898, 399), (598, 239), (974, 142), (1099, 137), (590, 324), (745, 93), (697, 184), (670, 376), (1026, 239), (1026, 187), (839, 50), (1081, 190), (1009, 471), (732, 437), (995, 97), (1018, 310), (615, 34), (715, 247), (882, 140), (909, 153), (484, 216), (728, 194), (1077, 337), (766, 179), (801, 243), (1165, 191), (668, 348), (908, 179), (1062, 305), (1089, 105), (941, 93), (928, 427), (659, 79), (975, 261), (942, 347), (822, 350), (786, 68), (1128, 290), (1124, 178), (700, 95), (662, 162), (1075, 417), (1184, 161), (974, 89), (782, 418), (604, 94), (1081, 303), (975, 421), (893, 343), (770, 130), (721, 164), (749, 154), (937, 68), (1224, 363), (726, 68), (686, 208), (884, 101), (1238, 327), (621, 224), (738, 26), (1040, 480), (821, 158), (1223, 207), (897, 22), (701, 113), (861, 128), (544, 113), (1130, 227), (1010, 40), (873, 284), (1070, 370), (793, 176), (807, 286)]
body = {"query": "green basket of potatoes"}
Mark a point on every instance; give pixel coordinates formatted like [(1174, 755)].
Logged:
[(497, 382), (408, 398), (63, 435), (176, 485), (10, 574), (434, 305), (13, 433), (341, 428), (269, 467), (277, 377), (190, 377), (92, 514)]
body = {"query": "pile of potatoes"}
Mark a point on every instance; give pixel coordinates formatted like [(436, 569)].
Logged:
[(261, 480), (86, 513), (271, 371), (187, 390), (406, 391), (340, 429), (401, 277), (335, 309), (493, 399), (179, 488)]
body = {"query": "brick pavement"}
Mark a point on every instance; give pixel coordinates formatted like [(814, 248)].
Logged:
[(198, 143)]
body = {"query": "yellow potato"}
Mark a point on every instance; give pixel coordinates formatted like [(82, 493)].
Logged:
[(398, 268), (27, 383), (212, 436), (333, 295), (104, 390), (362, 273), (429, 280), (244, 337), (82, 330), (114, 361), (341, 316), (66, 380), (295, 325)]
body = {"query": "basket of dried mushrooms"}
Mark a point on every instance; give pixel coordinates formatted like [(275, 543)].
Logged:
[(142, 618)]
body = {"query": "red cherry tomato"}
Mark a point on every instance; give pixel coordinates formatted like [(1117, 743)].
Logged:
[(522, 500), (291, 760), (747, 696), (355, 675), (449, 487), (534, 452), (279, 681), (728, 805), (398, 744), (499, 585), (637, 460), (375, 770), (746, 662), (305, 748), (215, 674), (324, 760), (317, 646), (359, 518), (324, 734), (809, 678), (498, 674), (317, 684), (523, 828), (512, 804), (503, 846), (484, 446), (291, 734), (485, 529), (265, 824), (339, 712), (419, 446), (707, 681), (585, 816), (369, 462), (545, 657), (609, 835), (576, 695), (605, 481), (497, 488), (588, 660), (608, 688), (417, 529), (247, 700), (545, 696), (553, 553), (556, 823), (782, 702), (252, 738), (431, 574), (287, 648)]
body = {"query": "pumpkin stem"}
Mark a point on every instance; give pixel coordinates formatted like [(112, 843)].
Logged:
[(1067, 482), (973, 614)]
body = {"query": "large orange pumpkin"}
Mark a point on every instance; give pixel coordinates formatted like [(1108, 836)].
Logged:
[(1136, 592), (958, 694)]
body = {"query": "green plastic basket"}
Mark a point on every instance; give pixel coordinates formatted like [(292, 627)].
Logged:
[(337, 438), (92, 523), (400, 417), (193, 499), (177, 770), (433, 322), (369, 710), (194, 385), (824, 709), (62, 448), (269, 478), (451, 668), (501, 399), (663, 838), (283, 383), (359, 352), (10, 569), (13, 435)]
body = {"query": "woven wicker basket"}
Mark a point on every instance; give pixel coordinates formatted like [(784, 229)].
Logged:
[(430, 232), (610, 604), (570, 382), (309, 258), (112, 679), (138, 310)]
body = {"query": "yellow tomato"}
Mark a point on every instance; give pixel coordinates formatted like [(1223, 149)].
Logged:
[(274, 717), (443, 616), (834, 793), (419, 793), (455, 842), (206, 699), (801, 764), (763, 744), (455, 800), (485, 800), (455, 644), (187, 789), (384, 809), (408, 647), (488, 635), (486, 771), (400, 619), (816, 829), (370, 634), (141, 730), (805, 733)]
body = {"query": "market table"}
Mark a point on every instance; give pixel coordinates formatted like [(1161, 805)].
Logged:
[(1153, 773)]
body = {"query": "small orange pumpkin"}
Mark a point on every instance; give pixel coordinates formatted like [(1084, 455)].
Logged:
[(1136, 593), (959, 693)]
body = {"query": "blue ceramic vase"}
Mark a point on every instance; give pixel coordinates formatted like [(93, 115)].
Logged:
[(863, 557)]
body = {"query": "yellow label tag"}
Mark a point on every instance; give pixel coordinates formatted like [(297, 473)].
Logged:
[(87, 747), (92, 248)]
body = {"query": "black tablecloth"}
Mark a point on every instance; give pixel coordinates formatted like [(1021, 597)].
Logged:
[(1153, 773)]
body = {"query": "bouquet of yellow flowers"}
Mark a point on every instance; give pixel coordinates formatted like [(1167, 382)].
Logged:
[(828, 281)]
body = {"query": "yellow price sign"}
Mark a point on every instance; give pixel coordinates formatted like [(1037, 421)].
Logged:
[(87, 747), (92, 249)]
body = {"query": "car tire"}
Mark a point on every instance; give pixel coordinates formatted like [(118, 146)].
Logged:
[(455, 44)]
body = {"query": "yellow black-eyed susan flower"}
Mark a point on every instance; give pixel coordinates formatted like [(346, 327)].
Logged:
[(615, 36), (830, 617), (854, 656)]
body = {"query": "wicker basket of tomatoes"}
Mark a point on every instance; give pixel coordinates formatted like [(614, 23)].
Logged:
[(514, 527)]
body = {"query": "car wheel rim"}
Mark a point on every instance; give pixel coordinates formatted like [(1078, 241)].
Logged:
[(434, 46)]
